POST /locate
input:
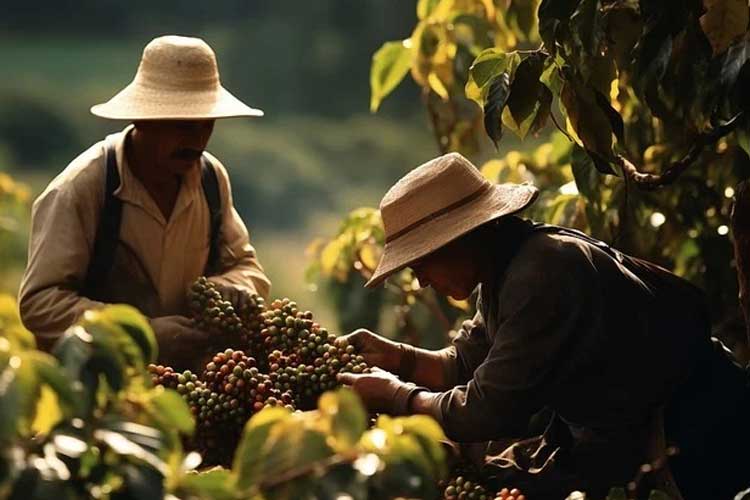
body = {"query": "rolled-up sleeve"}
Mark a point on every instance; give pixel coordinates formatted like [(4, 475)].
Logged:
[(542, 305), (239, 263), (63, 227)]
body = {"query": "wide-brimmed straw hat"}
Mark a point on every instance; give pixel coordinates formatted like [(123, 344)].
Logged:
[(177, 79), (437, 203)]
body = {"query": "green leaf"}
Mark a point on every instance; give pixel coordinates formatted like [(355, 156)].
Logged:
[(215, 484), (123, 445), (624, 27), (389, 66), (615, 120), (19, 390), (552, 78), (488, 65), (347, 418), (551, 14), (499, 90), (136, 325), (652, 60), (142, 482), (111, 335), (584, 26), (590, 122), (724, 22), (248, 459), (430, 435), (293, 447), (529, 101), (52, 374), (585, 174), (172, 411)]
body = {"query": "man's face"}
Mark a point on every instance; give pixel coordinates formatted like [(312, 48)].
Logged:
[(450, 270), (175, 145)]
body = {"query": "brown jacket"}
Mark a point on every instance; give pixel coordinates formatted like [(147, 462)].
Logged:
[(156, 259), (569, 324)]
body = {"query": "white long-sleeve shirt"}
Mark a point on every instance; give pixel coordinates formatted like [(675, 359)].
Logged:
[(156, 259)]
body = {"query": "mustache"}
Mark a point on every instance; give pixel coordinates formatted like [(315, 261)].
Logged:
[(187, 154)]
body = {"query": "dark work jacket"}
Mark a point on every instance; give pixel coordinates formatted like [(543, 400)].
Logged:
[(602, 339)]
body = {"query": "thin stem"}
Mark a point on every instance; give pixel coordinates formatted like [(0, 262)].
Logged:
[(649, 182)]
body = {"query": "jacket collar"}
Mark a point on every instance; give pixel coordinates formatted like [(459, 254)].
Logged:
[(510, 233)]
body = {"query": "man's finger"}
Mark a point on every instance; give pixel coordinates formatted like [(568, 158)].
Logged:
[(184, 321), (243, 300), (347, 378)]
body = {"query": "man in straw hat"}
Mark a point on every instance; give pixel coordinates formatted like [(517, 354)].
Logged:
[(139, 216), (599, 339)]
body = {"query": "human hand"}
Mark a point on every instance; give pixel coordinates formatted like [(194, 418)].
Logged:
[(181, 345), (376, 349), (381, 391), (238, 295)]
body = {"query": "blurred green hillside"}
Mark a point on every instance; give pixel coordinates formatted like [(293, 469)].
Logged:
[(315, 155)]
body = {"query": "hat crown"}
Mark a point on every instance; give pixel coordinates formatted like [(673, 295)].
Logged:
[(178, 63), (429, 190)]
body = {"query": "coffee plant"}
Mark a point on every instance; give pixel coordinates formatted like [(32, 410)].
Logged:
[(97, 418)]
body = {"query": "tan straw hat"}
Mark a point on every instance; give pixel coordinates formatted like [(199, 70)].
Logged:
[(438, 202), (177, 79)]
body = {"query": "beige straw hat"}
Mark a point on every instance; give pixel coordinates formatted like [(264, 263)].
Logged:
[(177, 79), (438, 202)]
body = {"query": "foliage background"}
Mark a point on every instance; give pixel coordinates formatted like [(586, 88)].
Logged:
[(319, 153)]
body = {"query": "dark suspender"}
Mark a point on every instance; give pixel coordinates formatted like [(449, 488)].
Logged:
[(108, 232), (213, 198)]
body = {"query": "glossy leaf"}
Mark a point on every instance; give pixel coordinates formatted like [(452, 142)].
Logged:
[(344, 416), (136, 325), (499, 90), (249, 458), (529, 101), (215, 484), (589, 121), (172, 411), (390, 64), (488, 65)]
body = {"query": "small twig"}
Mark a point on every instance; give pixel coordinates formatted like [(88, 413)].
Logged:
[(648, 181), (565, 132)]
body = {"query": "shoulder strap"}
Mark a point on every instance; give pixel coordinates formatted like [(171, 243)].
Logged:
[(108, 232), (213, 198)]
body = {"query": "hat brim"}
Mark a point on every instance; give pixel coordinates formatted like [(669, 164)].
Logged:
[(138, 102), (500, 200)]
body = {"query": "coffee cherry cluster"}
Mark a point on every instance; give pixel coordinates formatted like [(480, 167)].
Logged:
[(163, 375), (461, 488), (303, 356), (241, 388), (273, 355), (230, 390), (250, 313), (210, 311)]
